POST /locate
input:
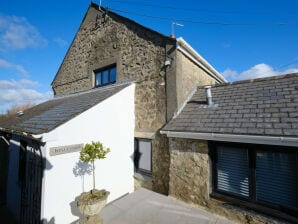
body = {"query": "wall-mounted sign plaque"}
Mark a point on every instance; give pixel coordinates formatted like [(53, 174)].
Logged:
[(54, 151)]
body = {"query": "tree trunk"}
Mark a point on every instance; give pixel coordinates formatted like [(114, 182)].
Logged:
[(93, 175)]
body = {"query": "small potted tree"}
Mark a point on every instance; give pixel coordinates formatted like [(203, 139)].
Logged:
[(90, 203)]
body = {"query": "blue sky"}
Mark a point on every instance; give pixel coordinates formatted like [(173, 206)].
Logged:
[(241, 39)]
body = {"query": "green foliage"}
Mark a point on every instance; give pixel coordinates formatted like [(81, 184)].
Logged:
[(93, 151)]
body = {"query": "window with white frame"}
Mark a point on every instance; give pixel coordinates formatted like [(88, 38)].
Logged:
[(143, 156)]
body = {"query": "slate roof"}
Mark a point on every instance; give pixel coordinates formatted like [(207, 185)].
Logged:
[(265, 107), (51, 114)]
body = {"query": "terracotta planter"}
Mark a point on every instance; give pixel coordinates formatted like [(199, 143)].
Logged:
[(90, 203)]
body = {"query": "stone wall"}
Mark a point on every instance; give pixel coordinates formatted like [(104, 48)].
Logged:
[(189, 170), (160, 164), (139, 54), (188, 76), (190, 181)]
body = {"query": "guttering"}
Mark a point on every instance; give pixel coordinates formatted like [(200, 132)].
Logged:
[(186, 49), (5, 140), (25, 134), (254, 139)]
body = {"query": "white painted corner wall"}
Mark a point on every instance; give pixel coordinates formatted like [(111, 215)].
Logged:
[(110, 122)]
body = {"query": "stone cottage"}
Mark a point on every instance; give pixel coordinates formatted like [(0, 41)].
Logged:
[(108, 49), (113, 64), (234, 149)]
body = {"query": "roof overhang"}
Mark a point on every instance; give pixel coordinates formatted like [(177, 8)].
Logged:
[(253, 139), (192, 54), (24, 134)]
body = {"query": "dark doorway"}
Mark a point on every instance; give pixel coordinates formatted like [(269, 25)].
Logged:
[(3, 169), (30, 177)]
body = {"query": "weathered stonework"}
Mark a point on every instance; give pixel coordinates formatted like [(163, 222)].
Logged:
[(190, 181), (189, 76), (139, 54), (189, 170), (142, 183), (160, 163)]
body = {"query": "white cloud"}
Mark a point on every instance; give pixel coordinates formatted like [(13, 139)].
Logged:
[(258, 71), (4, 63), (229, 74), (291, 70), (21, 96), (21, 84), (19, 68), (61, 42), (20, 92), (17, 33)]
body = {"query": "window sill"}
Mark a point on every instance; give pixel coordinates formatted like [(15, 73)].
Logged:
[(215, 196), (143, 177)]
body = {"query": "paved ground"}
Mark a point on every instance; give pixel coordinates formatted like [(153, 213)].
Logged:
[(147, 207)]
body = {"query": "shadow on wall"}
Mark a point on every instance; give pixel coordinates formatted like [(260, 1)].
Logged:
[(80, 170)]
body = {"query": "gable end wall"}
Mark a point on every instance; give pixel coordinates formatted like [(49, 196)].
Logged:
[(139, 54)]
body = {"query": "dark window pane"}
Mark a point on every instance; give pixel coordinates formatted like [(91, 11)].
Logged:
[(276, 178), (233, 170), (98, 79), (105, 77), (145, 155), (113, 74)]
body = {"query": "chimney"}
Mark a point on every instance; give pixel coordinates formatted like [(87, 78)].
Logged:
[(20, 113), (208, 95)]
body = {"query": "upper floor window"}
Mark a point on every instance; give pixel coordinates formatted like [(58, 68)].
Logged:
[(105, 76)]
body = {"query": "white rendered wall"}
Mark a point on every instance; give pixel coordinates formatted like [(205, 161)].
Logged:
[(110, 122), (13, 195)]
